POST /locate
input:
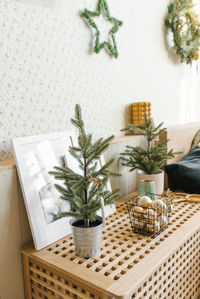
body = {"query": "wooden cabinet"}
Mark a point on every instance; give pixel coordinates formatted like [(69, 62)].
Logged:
[(129, 266)]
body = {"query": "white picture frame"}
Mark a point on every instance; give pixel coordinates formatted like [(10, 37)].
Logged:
[(35, 156)]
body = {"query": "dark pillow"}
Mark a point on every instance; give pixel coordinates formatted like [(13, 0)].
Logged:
[(185, 174)]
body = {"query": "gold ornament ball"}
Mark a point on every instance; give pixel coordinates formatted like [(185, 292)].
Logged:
[(158, 204), (145, 201), (138, 212), (150, 216), (138, 224), (153, 228)]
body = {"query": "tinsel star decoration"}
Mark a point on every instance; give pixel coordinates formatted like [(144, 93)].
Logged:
[(110, 45)]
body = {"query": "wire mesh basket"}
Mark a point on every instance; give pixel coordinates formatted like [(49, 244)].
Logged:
[(152, 218)]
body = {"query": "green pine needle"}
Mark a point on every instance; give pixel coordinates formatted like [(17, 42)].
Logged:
[(84, 192), (186, 41), (110, 45), (152, 157)]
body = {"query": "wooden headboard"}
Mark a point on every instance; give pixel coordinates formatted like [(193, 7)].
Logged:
[(180, 138)]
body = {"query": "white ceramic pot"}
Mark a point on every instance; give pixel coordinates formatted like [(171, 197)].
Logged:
[(158, 178)]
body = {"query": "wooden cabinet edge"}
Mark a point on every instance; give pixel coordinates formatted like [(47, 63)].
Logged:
[(9, 164), (27, 278)]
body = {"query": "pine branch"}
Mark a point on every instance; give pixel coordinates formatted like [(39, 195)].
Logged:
[(85, 191), (71, 214), (151, 157)]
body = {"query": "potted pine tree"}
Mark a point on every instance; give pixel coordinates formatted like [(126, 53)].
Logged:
[(149, 159), (86, 192)]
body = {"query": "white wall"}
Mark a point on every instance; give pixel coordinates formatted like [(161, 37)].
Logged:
[(14, 233), (47, 67)]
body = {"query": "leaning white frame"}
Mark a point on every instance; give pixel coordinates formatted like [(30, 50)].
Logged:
[(45, 234)]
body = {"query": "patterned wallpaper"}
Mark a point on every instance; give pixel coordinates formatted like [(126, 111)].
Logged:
[(47, 66)]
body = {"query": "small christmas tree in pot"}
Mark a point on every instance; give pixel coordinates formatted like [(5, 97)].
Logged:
[(86, 192), (149, 159)]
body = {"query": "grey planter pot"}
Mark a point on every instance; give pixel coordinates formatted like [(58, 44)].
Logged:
[(87, 241)]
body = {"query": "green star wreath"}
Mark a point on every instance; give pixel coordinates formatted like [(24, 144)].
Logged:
[(183, 25), (111, 45)]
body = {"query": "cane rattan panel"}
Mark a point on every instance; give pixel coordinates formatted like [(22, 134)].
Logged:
[(129, 266)]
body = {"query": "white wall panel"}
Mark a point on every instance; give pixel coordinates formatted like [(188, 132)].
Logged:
[(14, 233)]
